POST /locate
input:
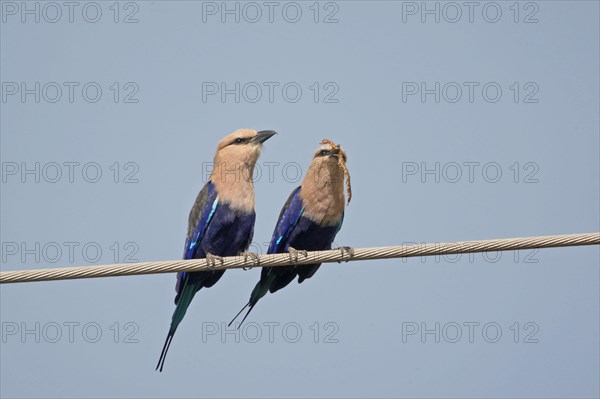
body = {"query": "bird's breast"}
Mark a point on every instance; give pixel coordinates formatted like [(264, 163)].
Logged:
[(325, 206)]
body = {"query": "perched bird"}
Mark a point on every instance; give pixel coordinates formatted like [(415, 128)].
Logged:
[(309, 220), (221, 222)]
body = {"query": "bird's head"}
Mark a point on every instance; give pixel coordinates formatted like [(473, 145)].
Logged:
[(330, 157), (240, 150)]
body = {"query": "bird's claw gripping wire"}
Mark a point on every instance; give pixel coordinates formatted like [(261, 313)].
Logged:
[(255, 259), (211, 261), (346, 251), (293, 252)]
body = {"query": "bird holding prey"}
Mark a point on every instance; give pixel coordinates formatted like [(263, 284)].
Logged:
[(309, 220)]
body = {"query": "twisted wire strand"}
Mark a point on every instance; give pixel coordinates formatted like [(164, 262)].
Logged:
[(285, 259)]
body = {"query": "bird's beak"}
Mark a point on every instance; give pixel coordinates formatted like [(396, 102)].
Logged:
[(263, 136)]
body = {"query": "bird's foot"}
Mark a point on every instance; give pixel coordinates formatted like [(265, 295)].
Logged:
[(254, 257), (211, 261), (347, 253), (293, 252)]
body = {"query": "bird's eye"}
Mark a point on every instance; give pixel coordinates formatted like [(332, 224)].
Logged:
[(239, 140), (323, 152)]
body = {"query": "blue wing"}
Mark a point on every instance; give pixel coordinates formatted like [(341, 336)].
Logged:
[(288, 218), (200, 217)]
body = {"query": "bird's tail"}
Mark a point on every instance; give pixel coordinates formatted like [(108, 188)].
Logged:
[(260, 290), (187, 294), (250, 306)]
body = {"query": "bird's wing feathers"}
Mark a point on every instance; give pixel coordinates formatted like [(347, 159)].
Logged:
[(200, 217), (288, 218)]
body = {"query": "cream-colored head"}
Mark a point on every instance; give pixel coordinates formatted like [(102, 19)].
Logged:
[(241, 147), (323, 185), (234, 164)]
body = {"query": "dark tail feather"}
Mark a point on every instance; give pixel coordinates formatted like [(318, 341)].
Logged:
[(239, 313), (246, 315), (185, 298), (260, 289), (163, 354), (251, 306)]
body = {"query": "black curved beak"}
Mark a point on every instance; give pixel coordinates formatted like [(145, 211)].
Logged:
[(263, 136)]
